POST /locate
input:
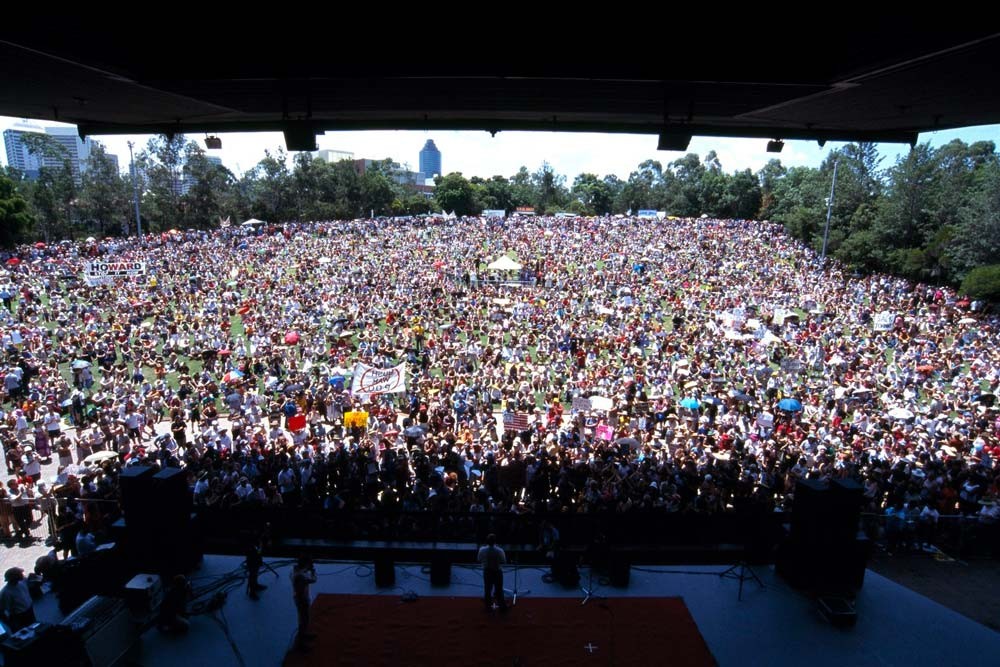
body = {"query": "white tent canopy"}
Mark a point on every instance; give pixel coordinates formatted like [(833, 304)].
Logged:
[(253, 222), (503, 263)]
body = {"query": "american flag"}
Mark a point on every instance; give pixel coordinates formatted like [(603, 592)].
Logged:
[(515, 421)]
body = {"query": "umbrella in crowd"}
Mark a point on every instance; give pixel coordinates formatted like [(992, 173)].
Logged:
[(900, 413), (292, 337), (100, 457), (690, 403), (789, 405), (80, 364)]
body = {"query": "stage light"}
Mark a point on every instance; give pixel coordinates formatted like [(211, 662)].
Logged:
[(775, 146), (213, 143), (673, 140)]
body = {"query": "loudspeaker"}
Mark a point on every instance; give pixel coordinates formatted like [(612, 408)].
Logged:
[(385, 572), (136, 483), (564, 569), (440, 571), (175, 544), (619, 570)]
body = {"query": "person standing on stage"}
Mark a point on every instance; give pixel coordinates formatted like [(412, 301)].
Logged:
[(492, 558), (302, 575), (254, 561)]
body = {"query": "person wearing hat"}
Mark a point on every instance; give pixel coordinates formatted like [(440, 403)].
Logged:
[(16, 608)]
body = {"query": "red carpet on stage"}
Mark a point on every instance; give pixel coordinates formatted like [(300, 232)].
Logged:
[(383, 630)]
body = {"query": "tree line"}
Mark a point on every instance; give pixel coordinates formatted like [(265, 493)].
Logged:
[(931, 216)]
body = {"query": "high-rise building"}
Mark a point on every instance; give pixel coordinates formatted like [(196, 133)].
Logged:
[(18, 156), (76, 150), (332, 155), (430, 160)]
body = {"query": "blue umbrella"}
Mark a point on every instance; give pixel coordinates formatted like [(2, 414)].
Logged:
[(690, 403), (789, 405), (80, 364)]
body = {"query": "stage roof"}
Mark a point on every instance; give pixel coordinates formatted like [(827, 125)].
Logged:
[(770, 78)]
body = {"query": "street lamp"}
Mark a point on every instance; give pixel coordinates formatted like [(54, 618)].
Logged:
[(829, 210), (135, 190)]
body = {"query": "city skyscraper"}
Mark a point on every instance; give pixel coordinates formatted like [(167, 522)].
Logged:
[(19, 157), (430, 160)]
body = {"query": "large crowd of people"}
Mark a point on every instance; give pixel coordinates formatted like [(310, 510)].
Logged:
[(679, 365)]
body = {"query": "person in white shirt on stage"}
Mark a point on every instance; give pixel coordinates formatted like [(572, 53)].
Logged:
[(492, 559)]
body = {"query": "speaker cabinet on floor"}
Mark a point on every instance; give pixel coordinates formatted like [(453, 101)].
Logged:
[(440, 571), (385, 572)]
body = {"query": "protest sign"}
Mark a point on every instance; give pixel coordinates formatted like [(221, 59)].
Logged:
[(371, 380)]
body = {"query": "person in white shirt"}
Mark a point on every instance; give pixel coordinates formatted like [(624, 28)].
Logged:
[(492, 559)]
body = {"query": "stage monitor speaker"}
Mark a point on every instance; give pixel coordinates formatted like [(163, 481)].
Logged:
[(385, 572), (619, 570), (440, 571)]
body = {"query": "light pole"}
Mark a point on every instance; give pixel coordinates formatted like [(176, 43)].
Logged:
[(829, 210), (135, 190)]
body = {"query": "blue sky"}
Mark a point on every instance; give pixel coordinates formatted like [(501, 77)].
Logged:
[(479, 154)]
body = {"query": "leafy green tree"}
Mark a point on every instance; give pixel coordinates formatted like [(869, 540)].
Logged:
[(378, 190), (522, 189), (497, 193), (161, 164), (455, 193), (271, 190), (684, 195), (741, 197), (54, 192), (105, 200), (977, 242), (983, 283), (594, 196), (551, 189), (16, 219), (208, 183), (769, 176)]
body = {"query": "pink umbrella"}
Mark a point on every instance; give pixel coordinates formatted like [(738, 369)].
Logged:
[(291, 338)]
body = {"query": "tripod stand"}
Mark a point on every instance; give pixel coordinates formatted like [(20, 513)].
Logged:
[(588, 590), (742, 572), (514, 593), (263, 566)]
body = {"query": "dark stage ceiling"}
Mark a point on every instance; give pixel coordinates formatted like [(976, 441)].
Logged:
[(883, 82)]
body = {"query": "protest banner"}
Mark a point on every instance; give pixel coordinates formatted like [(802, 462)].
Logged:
[(371, 380), (884, 321), (581, 404), (103, 273)]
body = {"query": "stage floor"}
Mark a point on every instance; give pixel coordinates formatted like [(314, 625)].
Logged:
[(773, 626)]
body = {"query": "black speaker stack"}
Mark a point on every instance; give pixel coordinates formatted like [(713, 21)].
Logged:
[(822, 551), (159, 534)]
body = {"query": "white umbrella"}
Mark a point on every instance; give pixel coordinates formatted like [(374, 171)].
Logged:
[(99, 457), (900, 413), (967, 320)]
